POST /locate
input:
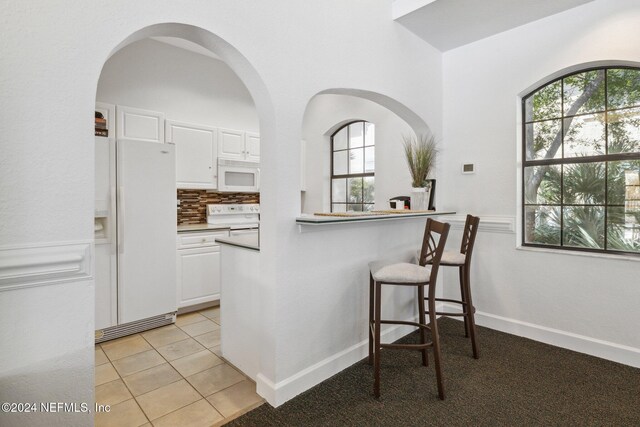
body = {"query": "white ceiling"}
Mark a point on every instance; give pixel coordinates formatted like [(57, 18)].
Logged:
[(187, 45), (447, 24)]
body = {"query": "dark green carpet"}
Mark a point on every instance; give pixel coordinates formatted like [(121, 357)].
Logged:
[(516, 382)]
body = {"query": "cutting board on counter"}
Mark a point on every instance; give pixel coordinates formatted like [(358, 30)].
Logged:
[(372, 213)]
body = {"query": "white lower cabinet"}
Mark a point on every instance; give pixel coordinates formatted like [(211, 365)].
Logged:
[(198, 268)]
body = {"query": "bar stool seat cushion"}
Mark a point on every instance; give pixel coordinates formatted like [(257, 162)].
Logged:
[(399, 272), (452, 258)]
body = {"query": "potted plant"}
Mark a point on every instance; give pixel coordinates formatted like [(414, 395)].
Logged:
[(421, 153)]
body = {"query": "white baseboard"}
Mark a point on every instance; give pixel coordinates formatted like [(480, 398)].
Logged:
[(580, 343), (277, 394)]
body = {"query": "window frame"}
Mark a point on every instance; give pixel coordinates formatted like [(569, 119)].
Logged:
[(563, 161), (349, 175)]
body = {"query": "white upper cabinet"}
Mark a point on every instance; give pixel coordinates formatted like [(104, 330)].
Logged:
[(231, 144), (238, 145), (252, 144), (139, 125), (196, 154)]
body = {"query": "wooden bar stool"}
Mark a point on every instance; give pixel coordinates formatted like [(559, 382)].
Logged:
[(406, 274), (462, 260)]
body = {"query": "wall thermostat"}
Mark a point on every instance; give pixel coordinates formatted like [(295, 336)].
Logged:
[(468, 168)]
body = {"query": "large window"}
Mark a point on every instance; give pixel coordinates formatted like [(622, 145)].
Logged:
[(353, 162), (581, 158)]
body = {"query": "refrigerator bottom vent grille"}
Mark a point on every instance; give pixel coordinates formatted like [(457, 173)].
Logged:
[(131, 328)]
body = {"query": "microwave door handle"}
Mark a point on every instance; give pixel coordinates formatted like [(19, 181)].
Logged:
[(257, 179)]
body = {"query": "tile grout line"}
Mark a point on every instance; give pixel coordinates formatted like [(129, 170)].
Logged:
[(182, 376), (224, 362)]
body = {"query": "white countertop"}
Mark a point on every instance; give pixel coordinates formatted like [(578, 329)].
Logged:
[(200, 227), (246, 241), (308, 219)]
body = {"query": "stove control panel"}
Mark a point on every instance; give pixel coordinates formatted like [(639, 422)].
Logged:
[(230, 209)]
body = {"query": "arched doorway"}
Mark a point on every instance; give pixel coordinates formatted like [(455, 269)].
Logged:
[(247, 74)]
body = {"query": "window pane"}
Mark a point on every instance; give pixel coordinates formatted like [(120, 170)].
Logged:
[(624, 130), (368, 189), (340, 139), (338, 207), (369, 134), (356, 160), (542, 185), (340, 162), (583, 226), (542, 225), (339, 190), (368, 207), (355, 207), (544, 104), (623, 229), (623, 183), (595, 204), (356, 136), (623, 88), (584, 183), (370, 159), (354, 190), (584, 93), (543, 140), (585, 136)]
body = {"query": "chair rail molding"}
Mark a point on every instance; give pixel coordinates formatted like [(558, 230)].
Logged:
[(45, 264), (488, 223)]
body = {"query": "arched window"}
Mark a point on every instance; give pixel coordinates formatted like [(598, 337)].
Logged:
[(353, 164), (581, 162)]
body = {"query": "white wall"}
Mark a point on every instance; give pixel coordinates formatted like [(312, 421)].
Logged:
[(184, 85), (326, 111), (284, 51), (593, 297)]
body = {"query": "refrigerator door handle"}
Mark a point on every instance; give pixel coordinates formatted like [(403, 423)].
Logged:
[(121, 220), (112, 217)]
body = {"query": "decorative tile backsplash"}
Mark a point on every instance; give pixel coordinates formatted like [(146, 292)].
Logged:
[(193, 203)]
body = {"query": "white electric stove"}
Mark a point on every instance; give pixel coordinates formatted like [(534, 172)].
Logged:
[(240, 218)]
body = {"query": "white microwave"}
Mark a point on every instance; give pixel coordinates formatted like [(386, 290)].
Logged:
[(238, 176)]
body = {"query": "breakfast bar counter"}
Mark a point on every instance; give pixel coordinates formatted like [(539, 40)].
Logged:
[(319, 219)]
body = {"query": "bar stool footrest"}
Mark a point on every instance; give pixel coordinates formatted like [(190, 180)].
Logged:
[(419, 346)]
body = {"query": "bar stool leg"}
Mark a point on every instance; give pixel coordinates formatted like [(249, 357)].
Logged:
[(371, 325), (435, 338), (376, 351), (463, 298), (421, 320), (471, 313)]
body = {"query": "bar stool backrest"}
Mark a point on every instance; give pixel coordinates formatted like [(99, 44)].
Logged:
[(469, 236), (432, 250)]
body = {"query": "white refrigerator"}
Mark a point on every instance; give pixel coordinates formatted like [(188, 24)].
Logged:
[(136, 251)]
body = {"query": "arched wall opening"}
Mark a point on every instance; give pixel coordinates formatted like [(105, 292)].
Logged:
[(331, 109), (245, 74)]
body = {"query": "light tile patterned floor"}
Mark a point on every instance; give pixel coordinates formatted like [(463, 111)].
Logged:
[(171, 376)]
